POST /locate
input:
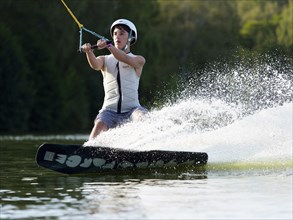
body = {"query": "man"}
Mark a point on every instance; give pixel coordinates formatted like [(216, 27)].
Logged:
[(121, 72)]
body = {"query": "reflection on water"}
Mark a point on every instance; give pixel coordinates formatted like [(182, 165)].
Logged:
[(31, 192)]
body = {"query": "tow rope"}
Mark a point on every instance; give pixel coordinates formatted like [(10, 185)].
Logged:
[(82, 28)]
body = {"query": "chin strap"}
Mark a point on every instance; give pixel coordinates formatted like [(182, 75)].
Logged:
[(128, 41), (125, 48)]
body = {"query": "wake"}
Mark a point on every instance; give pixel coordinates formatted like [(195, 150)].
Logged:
[(240, 114)]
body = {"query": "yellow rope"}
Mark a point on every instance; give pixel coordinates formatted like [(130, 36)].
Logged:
[(72, 15)]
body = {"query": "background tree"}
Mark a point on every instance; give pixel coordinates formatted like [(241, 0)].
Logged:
[(46, 85)]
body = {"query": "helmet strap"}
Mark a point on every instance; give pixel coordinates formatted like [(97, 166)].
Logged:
[(128, 40)]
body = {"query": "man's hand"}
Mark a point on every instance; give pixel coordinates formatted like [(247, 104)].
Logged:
[(101, 44), (86, 48)]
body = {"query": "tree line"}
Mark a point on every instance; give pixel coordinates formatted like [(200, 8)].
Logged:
[(47, 86)]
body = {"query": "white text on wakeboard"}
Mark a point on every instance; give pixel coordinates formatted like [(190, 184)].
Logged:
[(76, 160)]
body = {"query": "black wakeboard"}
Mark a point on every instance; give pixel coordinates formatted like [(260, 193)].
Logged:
[(77, 159)]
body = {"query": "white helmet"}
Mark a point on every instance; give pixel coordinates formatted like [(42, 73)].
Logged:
[(133, 31)]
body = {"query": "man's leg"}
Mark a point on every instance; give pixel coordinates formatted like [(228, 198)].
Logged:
[(97, 129)]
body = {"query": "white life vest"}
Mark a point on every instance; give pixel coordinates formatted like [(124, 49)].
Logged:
[(121, 91)]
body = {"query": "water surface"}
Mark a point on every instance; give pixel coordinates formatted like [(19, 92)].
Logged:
[(241, 117), (253, 188)]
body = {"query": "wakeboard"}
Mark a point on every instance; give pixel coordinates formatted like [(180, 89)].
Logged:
[(78, 159)]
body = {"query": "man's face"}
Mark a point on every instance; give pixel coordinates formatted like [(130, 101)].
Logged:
[(120, 37)]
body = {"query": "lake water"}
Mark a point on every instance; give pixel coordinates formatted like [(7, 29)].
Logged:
[(249, 176), (241, 117)]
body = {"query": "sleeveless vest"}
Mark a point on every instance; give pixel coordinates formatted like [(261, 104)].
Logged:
[(120, 85)]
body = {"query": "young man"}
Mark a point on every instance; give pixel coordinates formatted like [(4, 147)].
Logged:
[(121, 72)]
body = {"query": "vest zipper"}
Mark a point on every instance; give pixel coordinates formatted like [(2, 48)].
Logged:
[(119, 90)]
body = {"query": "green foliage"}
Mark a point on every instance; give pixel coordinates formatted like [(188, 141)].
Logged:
[(17, 89), (266, 23), (285, 26), (73, 95), (47, 86)]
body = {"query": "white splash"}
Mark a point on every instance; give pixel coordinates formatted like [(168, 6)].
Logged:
[(195, 126), (234, 114)]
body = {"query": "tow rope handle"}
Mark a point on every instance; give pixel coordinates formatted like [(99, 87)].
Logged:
[(81, 28)]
